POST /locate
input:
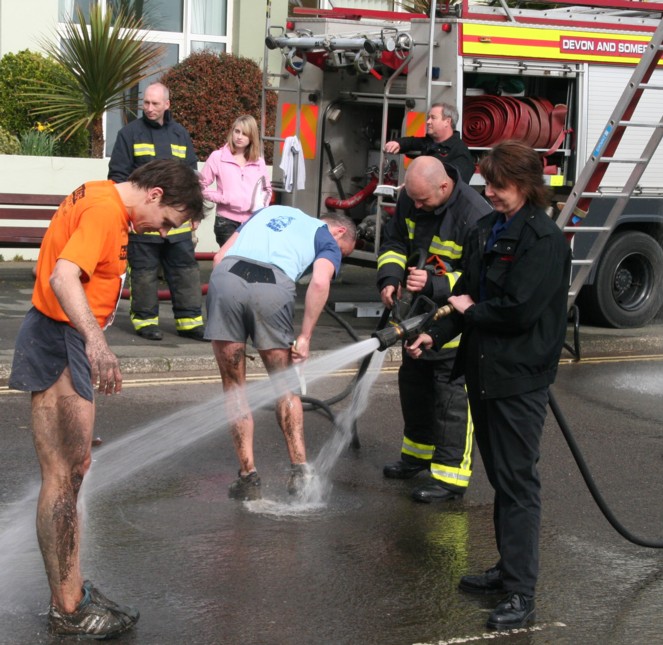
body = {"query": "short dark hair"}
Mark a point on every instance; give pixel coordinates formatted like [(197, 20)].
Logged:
[(514, 162), (339, 219), (179, 182)]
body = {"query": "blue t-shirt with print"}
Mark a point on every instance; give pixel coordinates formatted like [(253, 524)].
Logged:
[(287, 238)]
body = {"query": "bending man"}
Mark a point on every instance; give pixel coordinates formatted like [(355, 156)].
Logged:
[(252, 294)]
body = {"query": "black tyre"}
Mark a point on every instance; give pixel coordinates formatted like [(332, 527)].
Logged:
[(628, 286)]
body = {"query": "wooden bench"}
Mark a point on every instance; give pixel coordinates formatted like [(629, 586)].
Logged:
[(41, 208), (25, 207)]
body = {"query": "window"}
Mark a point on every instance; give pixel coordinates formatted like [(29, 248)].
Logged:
[(190, 24)]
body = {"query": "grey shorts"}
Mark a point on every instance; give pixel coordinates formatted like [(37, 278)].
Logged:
[(248, 299), (44, 347)]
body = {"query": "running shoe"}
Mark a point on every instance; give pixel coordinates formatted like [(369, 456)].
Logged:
[(297, 479), (96, 617), (246, 487)]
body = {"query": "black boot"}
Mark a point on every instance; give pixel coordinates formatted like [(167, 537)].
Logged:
[(403, 469), (515, 610), (487, 582), (434, 492), (150, 332)]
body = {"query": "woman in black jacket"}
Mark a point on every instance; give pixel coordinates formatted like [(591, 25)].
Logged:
[(511, 306)]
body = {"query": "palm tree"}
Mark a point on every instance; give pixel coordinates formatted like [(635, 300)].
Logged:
[(105, 60)]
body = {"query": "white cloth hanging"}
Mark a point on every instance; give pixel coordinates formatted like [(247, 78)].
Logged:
[(292, 149)]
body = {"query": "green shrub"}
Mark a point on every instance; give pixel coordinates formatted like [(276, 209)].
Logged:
[(18, 72), (9, 144), (208, 91), (38, 143)]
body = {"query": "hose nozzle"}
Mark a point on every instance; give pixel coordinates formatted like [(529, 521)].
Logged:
[(410, 328)]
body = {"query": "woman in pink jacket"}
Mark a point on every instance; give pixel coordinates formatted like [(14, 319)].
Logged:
[(240, 175)]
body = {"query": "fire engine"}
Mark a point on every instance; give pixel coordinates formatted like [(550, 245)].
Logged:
[(352, 79)]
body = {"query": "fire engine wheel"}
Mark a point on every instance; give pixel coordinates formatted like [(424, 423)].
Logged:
[(627, 289)]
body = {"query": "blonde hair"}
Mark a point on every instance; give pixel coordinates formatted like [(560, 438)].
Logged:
[(247, 124)]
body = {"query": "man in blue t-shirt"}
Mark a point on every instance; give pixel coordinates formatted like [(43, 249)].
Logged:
[(251, 294)]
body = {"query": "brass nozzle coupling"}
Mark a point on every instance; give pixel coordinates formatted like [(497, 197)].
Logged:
[(443, 311), (408, 329)]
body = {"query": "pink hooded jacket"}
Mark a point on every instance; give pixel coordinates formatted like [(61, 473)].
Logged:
[(235, 185)]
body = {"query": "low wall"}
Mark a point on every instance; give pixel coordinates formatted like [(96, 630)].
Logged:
[(59, 176)]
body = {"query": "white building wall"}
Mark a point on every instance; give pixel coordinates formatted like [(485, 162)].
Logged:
[(24, 22)]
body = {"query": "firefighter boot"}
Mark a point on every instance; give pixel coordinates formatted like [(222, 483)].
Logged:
[(403, 469), (489, 581), (145, 304), (435, 491), (184, 282), (516, 610)]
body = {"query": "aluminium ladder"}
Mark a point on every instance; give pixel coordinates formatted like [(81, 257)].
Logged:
[(587, 188)]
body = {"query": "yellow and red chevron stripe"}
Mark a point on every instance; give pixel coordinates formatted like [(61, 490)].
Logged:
[(415, 124), (484, 39), (308, 128)]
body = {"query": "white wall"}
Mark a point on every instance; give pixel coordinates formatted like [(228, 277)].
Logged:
[(24, 22)]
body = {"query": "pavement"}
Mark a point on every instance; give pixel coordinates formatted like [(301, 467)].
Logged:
[(354, 314)]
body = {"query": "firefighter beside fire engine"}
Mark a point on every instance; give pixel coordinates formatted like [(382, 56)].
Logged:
[(435, 212), (442, 140), (511, 307)]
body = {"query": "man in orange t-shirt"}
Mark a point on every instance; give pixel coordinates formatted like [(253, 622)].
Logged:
[(61, 355)]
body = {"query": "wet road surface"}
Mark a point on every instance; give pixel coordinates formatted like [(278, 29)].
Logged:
[(369, 566)]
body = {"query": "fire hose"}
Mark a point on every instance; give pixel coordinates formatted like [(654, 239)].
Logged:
[(401, 308), (412, 327), (489, 119), (354, 200)]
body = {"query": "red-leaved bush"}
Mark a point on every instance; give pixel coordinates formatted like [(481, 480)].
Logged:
[(208, 91)]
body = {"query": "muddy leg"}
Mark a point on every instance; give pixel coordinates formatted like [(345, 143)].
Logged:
[(231, 360), (289, 411), (62, 432)]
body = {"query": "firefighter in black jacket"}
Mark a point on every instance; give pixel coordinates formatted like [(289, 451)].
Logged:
[(156, 136), (435, 212), (511, 307), (442, 140)]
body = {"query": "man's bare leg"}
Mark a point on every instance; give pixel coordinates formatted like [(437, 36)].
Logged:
[(231, 360), (289, 410), (62, 425)]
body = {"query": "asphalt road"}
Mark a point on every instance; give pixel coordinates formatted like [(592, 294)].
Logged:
[(363, 563)]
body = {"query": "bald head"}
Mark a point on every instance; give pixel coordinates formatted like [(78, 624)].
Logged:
[(427, 183), (156, 102)]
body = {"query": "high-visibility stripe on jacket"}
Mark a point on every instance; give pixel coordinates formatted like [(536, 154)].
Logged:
[(440, 233)]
